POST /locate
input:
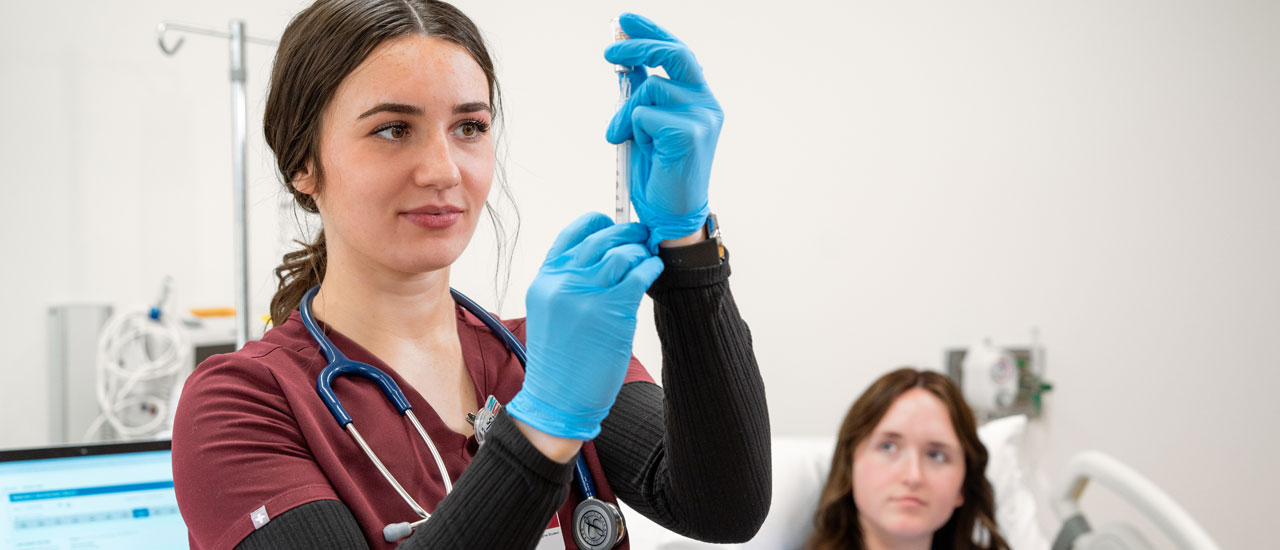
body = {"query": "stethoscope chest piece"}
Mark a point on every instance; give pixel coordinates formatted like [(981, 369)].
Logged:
[(597, 525)]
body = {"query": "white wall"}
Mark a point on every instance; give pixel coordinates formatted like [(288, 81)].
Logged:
[(893, 179)]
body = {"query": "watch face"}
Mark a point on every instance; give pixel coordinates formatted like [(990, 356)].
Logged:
[(713, 233)]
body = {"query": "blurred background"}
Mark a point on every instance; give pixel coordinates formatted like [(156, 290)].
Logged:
[(894, 180)]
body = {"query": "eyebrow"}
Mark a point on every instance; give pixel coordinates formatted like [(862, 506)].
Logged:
[(391, 108), (472, 107), (405, 109), (930, 444)]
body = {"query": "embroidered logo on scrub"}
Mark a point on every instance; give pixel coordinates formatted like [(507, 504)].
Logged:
[(259, 517)]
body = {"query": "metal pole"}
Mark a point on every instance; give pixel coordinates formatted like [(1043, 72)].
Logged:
[(239, 152), (239, 177)]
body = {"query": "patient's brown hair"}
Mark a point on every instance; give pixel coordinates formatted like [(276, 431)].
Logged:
[(836, 524)]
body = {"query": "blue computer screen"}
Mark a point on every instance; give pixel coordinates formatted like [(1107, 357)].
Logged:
[(113, 501)]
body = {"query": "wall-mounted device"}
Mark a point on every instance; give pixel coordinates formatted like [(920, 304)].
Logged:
[(999, 381)]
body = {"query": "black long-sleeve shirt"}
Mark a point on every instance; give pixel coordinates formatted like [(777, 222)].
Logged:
[(692, 455)]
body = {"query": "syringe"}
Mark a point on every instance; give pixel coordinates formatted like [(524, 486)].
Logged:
[(622, 193)]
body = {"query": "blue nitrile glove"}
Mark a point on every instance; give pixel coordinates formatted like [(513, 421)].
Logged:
[(675, 123), (581, 321)]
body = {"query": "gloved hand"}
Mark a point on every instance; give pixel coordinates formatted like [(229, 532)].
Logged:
[(581, 322), (675, 123)]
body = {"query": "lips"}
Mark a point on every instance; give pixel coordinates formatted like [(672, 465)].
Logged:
[(435, 209), (433, 216), (908, 501)]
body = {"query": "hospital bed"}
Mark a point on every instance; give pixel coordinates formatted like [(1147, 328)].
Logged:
[(801, 464), (1077, 534)]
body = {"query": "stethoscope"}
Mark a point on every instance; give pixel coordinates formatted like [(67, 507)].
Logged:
[(597, 525)]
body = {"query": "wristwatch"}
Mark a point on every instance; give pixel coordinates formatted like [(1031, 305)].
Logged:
[(710, 252)]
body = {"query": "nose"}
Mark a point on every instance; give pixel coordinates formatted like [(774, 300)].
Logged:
[(912, 475), (437, 166)]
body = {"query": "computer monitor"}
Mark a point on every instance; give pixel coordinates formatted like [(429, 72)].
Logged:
[(106, 497)]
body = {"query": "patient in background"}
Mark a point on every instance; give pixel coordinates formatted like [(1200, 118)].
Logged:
[(908, 472)]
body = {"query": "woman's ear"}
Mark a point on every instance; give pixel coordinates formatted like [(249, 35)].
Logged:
[(304, 180)]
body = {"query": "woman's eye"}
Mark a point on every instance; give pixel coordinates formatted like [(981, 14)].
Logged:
[(395, 132), (938, 456), (471, 129), (888, 446)]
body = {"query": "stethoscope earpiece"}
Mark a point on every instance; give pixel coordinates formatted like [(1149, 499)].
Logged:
[(395, 531)]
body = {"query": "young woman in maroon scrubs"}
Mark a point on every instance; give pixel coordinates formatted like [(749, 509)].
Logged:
[(381, 117)]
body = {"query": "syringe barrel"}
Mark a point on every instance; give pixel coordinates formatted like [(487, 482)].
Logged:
[(622, 192)]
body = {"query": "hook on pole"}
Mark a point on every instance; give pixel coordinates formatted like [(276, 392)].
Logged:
[(162, 30)]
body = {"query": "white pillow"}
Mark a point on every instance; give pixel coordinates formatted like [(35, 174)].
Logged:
[(800, 469), (1015, 505)]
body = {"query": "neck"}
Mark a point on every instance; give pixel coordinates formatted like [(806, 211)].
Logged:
[(377, 308)]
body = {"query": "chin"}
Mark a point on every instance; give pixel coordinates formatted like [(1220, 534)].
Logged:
[(425, 259), (430, 255), (911, 527), (426, 263)]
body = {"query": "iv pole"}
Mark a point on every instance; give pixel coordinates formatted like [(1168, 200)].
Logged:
[(239, 151)]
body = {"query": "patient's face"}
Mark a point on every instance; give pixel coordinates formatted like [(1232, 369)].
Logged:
[(907, 475)]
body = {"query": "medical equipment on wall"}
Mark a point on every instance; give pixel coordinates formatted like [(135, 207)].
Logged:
[(1167, 515), (1000, 381), (597, 525), (237, 40), (74, 330), (143, 354), (622, 192), (991, 377)]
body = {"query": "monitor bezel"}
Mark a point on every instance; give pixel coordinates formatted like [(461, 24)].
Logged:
[(95, 449)]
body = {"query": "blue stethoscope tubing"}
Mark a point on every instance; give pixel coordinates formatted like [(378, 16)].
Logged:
[(340, 365)]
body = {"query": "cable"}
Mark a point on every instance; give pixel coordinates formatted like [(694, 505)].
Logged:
[(142, 355)]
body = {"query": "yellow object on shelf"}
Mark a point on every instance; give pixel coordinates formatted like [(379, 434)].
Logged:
[(206, 312)]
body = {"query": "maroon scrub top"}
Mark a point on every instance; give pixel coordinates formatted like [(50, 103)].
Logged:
[(252, 439)]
